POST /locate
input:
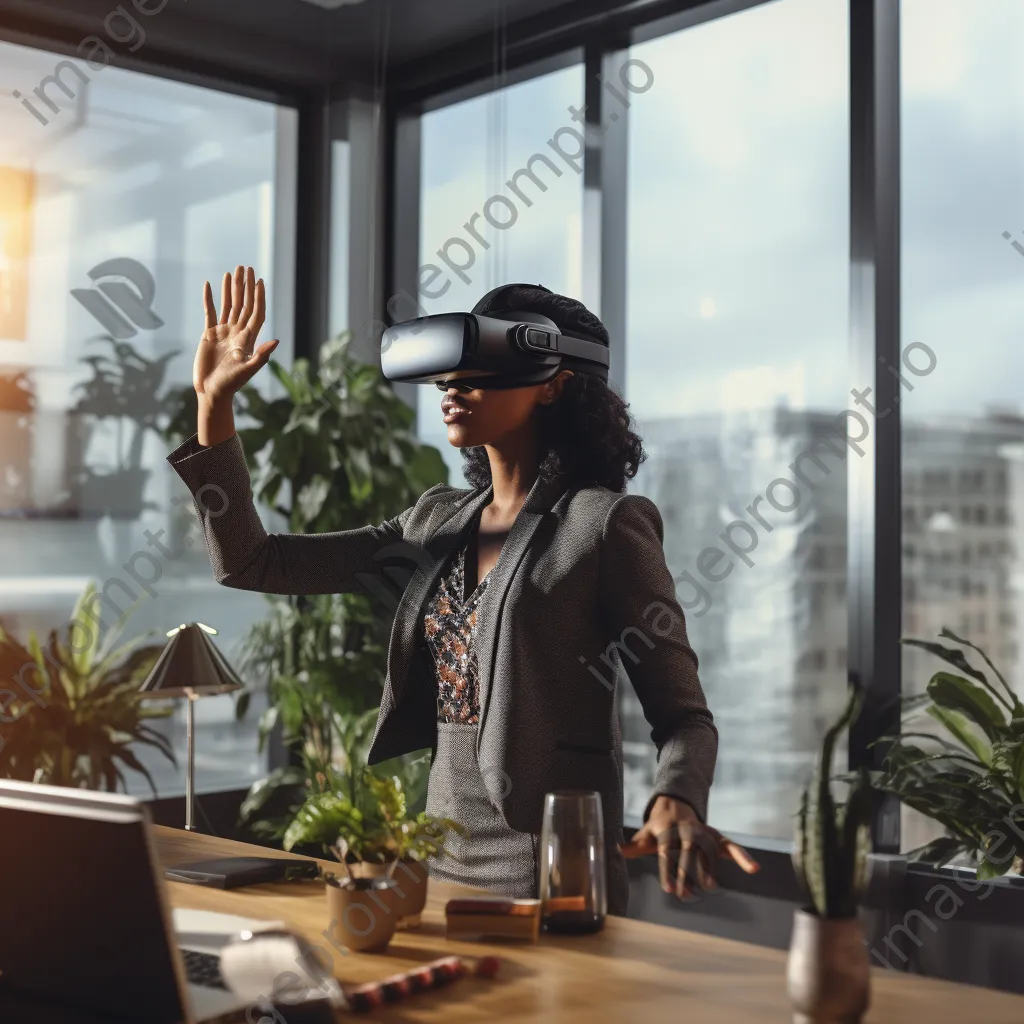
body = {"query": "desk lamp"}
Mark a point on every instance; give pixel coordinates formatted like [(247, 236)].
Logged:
[(190, 666)]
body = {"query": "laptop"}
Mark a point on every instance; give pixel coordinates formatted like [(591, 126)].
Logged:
[(84, 916)]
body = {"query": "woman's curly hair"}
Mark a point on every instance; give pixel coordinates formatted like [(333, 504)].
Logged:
[(587, 432)]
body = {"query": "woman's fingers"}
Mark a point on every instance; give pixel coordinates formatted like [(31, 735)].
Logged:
[(262, 354), (642, 844), (686, 875), (225, 298), (668, 858), (740, 856), (237, 294), (249, 297), (688, 856), (208, 306), (259, 311), (706, 872)]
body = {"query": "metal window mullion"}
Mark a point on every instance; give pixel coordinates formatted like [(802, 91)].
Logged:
[(874, 552), (402, 220), (313, 233), (605, 167)]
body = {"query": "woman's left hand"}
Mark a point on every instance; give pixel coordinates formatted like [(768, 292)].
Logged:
[(687, 849)]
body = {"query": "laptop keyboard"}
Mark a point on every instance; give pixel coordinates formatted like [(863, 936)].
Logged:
[(203, 969)]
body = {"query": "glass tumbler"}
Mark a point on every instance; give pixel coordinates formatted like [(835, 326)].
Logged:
[(573, 885)]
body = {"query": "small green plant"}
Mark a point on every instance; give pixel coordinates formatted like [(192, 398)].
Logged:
[(832, 841), (969, 778), (424, 837), (86, 713), (363, 816)]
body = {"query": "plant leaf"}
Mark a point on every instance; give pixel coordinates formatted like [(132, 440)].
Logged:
[(960, 727), (1017, 705), (958, 694)]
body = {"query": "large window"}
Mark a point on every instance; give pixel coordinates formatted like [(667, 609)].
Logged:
[(736, 369), (963, 302), (499, 203), (120, 194)]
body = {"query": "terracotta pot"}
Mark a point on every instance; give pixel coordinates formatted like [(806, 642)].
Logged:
[(410, 878), (363, 913), (828, 978), (368, 869)]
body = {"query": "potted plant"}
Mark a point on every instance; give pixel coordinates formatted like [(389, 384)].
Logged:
[(361, 819), (77, 711), (828, 976), (969, 776)]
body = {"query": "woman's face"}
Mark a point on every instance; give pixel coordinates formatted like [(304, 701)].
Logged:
[(483, 416)]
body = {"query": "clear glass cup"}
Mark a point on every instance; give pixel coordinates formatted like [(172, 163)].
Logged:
[(573, 884)]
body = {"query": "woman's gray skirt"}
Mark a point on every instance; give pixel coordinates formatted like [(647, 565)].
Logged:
[(492, 856)]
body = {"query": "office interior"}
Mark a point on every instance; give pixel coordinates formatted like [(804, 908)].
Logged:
[(764, 201)]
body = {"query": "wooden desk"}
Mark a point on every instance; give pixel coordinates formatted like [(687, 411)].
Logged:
[(631, 971)]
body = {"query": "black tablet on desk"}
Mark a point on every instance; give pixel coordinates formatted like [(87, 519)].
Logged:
[(236, 872)]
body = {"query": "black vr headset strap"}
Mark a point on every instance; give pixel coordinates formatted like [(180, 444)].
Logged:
[(583, 348)]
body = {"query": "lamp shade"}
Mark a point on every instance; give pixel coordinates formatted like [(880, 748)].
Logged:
[(190, 664)]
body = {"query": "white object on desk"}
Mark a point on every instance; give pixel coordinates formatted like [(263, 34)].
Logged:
[(260, 960)]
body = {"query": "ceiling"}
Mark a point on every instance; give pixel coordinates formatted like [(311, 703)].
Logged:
[(296, 41)]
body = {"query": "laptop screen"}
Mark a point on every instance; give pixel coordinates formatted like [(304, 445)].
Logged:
[(81, 919)]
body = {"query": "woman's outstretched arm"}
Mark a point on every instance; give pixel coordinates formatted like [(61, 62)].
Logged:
[(212, 464), (245, 557)]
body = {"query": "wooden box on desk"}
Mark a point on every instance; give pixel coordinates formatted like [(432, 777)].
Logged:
[(486, 917)]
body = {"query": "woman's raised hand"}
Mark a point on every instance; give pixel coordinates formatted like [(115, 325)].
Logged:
[(227, 357)]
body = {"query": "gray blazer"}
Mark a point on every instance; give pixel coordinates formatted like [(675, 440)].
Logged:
[(580, 592)]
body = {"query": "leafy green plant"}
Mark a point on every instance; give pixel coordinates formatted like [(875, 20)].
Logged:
[(425, 836), (89, 711), (970, 777), (832, 841), (330, 814), (337, 451), (363, 816)]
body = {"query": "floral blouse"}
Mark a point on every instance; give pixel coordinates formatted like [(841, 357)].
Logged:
[(449, 627)]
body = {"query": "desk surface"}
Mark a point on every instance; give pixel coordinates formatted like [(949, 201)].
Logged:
[(630, 971)]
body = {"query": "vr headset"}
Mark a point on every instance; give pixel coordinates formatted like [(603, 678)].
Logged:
[(495, 350)]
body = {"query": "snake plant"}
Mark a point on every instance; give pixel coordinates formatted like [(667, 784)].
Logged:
[(832, 841)]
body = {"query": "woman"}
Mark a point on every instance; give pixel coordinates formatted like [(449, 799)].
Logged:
[(529, 591)]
